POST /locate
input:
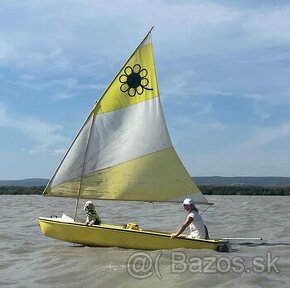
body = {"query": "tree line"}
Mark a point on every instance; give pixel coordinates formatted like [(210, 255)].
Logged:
[(245, 190), (205, 189), (21, 190)]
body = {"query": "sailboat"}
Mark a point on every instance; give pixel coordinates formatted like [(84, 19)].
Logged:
[(123, 152)]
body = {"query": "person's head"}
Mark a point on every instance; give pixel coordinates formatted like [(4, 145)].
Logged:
[(188, 205), (89, 206)]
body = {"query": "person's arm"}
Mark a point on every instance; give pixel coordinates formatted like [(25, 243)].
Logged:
[(87, 221), (183, 227), (91, 222)]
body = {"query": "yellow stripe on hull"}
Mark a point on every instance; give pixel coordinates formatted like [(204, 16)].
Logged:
[(117, 236)]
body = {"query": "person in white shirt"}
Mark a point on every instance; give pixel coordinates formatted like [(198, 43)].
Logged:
[(197, 228)]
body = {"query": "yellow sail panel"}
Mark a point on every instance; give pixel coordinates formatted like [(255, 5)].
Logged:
[(136, 82), (159, 176), (68, 189)]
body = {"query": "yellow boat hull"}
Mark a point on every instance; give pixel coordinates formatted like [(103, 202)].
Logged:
[(117, 236)]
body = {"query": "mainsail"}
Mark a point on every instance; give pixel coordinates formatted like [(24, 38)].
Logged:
[(123, 151)]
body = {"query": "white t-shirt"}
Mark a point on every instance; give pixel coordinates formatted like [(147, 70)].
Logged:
[(197, 229)]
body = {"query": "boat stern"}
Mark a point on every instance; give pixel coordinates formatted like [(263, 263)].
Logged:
[(224, 246)]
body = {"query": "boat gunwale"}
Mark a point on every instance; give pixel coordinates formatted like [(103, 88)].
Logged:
[(120, 228)]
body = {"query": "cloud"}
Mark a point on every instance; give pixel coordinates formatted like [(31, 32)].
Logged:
[(54, 152), (91, 86), (3, 116), (267, 135), (257, 154), (59, 89), (5, 50), (197, 28), (222, 66), (45, 136), (270, 25)]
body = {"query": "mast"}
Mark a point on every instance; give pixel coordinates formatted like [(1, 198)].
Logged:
[(81, 182)]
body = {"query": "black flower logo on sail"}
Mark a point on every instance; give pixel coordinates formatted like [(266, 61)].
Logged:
[(134, 80)]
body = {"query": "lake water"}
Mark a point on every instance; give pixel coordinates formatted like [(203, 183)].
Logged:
[(29, 259)]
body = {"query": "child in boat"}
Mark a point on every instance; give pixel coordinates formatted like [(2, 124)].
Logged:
[(194, 221), (92, 216)]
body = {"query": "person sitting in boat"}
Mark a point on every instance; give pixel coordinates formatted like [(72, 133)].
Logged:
[(92, 215), (194, 221)]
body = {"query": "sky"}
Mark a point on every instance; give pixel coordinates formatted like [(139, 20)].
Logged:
[(223, 69)]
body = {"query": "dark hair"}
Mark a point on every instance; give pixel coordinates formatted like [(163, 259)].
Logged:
[(194, 208)]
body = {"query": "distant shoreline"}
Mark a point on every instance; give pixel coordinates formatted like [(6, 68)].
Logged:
[(245, 190), (263, 181), (205, 189)]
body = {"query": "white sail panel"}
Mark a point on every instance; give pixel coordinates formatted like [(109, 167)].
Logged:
[(73, 163), (115, 137), (126, 134)]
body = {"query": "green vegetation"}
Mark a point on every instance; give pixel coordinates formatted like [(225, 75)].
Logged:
[(205, 189), (21, 190), (245, 190)]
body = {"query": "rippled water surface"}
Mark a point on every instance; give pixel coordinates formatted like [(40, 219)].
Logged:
[(29, 259)]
